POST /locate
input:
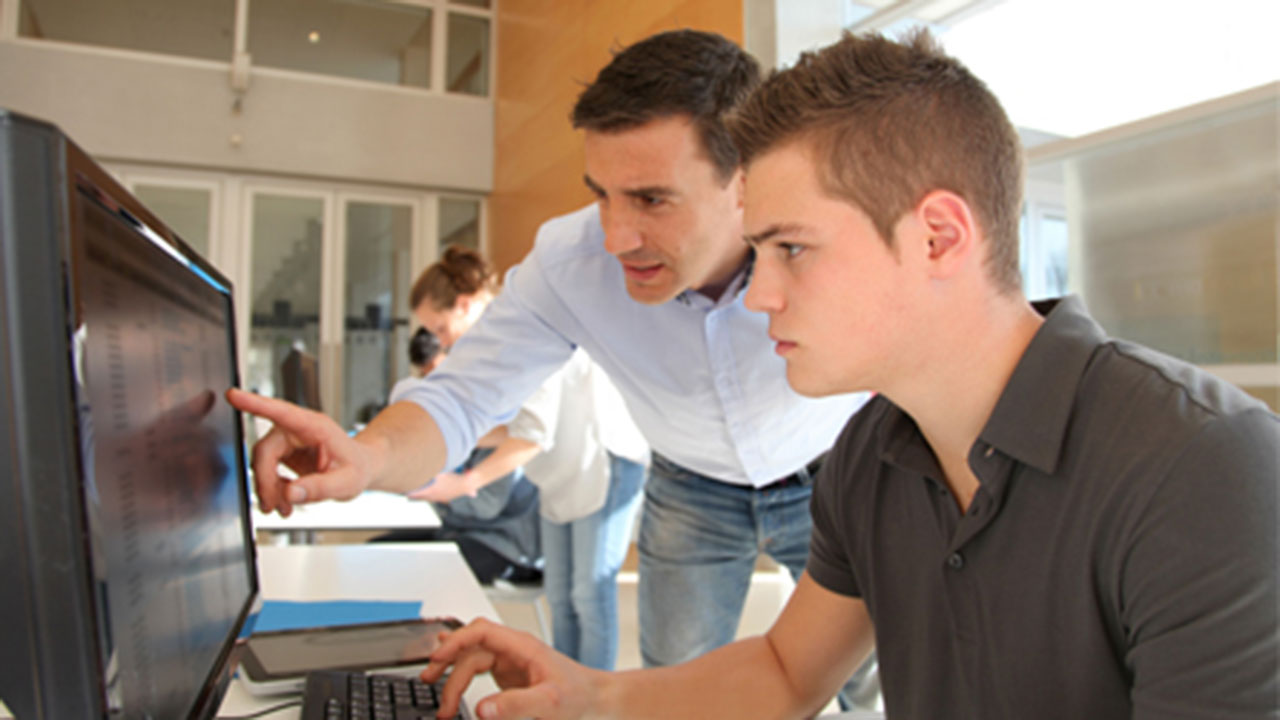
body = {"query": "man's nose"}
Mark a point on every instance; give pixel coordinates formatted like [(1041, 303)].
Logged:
[(762, 292), (621, 232)]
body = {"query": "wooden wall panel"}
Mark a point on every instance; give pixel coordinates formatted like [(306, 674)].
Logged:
[(547, 50)]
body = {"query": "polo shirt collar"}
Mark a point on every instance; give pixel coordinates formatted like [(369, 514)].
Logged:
[(1029, 422), (899, 442)]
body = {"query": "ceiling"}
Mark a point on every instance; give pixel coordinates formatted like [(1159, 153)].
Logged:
[(1072, 68)]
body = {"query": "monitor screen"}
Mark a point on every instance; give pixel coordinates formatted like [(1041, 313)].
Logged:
[(159, 453), (151, 477)]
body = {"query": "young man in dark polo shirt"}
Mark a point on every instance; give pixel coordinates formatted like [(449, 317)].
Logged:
[(1031, 520)]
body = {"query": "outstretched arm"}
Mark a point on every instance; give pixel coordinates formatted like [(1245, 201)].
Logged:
[(393, 452), (791, 671)]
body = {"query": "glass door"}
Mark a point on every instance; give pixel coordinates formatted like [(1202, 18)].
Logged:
[(283, 357), (378, 271)]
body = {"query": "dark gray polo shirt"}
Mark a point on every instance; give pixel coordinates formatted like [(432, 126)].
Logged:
[(1119, 559)]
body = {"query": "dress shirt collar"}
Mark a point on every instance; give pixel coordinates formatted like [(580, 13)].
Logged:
[(737, 285)]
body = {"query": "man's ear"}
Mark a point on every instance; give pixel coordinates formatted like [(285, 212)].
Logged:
[(951, 231)]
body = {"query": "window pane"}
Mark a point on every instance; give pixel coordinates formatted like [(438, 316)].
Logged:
[(459, 223), (1053, 239), (376, 342), (190, 29), (284, 286), (467, 69), (1173, 235), (184, 210), (375, 41)]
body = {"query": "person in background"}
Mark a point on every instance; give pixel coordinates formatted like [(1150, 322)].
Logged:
[(650, 281), (496, 528), (1030, 519), (577, 445), (425, 353)]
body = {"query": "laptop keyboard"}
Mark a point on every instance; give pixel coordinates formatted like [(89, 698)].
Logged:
[(347, 695)]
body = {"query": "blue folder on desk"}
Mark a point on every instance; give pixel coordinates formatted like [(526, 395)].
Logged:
[(298, 614)]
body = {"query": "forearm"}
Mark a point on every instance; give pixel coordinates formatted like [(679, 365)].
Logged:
[(404, 445), (744, 679), (510, 453), (492, 438), (791, 671)]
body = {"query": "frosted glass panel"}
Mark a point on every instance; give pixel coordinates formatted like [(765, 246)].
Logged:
[(459, 223), (375, 41), (185, 210), (379, 238), (188, 29), (288, 233), (467, 70), (1173, 235)]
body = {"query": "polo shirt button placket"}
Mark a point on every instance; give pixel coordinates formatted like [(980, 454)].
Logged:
[(956, 561)]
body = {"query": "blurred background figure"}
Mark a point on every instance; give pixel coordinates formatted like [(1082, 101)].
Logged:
[(496, 528), (577, 443)]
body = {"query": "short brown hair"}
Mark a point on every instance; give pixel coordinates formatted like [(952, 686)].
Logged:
[(889, 122), (681, 72), (461, 271)]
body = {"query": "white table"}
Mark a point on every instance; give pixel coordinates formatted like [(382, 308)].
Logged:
[(371, 510), (434, 573)]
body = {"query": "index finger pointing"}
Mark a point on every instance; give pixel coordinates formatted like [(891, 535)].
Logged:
[(279, 412)]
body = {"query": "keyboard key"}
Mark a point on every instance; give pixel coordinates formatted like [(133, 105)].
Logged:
[(341, 695)]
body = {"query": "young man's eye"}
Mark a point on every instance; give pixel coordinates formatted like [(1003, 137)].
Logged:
[(649, 200), (790, 250)]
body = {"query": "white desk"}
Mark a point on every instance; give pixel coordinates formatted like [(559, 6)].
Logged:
[(434, 573), (372, 510)]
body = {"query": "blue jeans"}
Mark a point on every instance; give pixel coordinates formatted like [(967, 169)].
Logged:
[(699, 539), (582, 559)]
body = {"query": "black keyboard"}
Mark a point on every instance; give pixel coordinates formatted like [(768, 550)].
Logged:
[(344, 695)]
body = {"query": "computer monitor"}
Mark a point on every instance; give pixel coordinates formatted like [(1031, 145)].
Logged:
[(127, 566), (300, 376)]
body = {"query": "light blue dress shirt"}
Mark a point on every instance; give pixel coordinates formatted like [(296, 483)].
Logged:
[(700, 378)]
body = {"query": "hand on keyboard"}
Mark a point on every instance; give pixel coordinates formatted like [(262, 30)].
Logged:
[(342, 695), (536, 680)]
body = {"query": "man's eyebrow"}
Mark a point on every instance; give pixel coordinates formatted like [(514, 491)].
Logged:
[(770, 232), (640, 192), (651, 191)]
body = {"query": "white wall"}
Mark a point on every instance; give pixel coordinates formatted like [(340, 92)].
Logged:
[(123, 106)]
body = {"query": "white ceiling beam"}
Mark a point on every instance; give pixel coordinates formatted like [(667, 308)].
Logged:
[(888, 15)]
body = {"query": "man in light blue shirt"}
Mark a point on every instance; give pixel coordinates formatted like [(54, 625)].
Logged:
[(650, 281)]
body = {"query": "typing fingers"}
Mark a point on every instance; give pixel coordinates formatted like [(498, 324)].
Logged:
[(467, 667), (484, 634)]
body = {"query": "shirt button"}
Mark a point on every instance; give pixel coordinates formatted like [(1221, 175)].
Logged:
[(956, 561)]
